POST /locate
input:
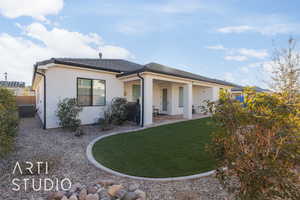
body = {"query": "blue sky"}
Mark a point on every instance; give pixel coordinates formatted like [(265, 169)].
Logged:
[(230, 40)]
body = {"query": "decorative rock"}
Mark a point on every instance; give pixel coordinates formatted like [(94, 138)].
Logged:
[(105, 183), (91, 190), (120, 194), (130, 196), (58, 195), (133, 187), (83, 194), (112, 190), (64, 198), (68, 194), (73, 197), (141, 195), (98, 191), (106, 198), (92, 197), (76, 187), (103, 194)]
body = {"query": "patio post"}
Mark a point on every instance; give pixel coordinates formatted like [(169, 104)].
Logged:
[(187, 100), (215, 93), (148, 99)]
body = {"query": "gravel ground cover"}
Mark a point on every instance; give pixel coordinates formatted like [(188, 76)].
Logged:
[(66, 156)]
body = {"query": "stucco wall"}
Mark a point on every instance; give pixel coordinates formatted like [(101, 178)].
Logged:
[(201, 94), (62, 83), (40, 99)]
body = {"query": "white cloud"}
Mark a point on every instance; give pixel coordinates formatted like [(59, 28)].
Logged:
[(271, 29), (236, 58), (235, 29), (241, 54), (216, 47), (37, 9), (20, 53), (228, 77), (253, 53)]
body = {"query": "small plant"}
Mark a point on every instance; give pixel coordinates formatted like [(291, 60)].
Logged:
[(8, 121), (79, 132), (68, 112), (105, 122)]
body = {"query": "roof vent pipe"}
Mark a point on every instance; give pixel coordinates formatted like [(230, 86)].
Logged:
[(100, 55)]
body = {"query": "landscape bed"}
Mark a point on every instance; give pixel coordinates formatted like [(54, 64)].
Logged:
[(172, 150)]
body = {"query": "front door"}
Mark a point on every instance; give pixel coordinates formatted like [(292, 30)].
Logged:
[(164, 100)]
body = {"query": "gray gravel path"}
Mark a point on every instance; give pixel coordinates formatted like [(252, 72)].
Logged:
[(68, 155)]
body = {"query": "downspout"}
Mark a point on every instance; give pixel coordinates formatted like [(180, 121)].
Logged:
[(138, 74), (44, 77)]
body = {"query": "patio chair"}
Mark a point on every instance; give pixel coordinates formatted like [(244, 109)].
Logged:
[(155, 111)]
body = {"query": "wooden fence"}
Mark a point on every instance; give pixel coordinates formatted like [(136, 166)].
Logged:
[(25, 100)]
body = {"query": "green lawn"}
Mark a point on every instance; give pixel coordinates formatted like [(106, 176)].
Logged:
[(165, 151)]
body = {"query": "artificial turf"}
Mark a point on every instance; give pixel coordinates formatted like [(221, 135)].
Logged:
[(172, 150)]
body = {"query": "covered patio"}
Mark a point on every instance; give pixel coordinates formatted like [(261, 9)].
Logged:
[(168, 98)]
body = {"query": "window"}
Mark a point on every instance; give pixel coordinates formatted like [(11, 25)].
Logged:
[(91, 92), (136, 92), (180, 97)]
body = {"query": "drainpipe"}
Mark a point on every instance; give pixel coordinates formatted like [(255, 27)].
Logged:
[(44, 77), (138, 74)]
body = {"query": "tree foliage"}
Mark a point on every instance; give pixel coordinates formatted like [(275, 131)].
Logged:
[(8, 121), (286, 71), (259, 143)]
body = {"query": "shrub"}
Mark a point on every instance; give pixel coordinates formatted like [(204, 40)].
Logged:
[(259, 144), (8, 121), (118, 111), (68, 112), (105, 122)]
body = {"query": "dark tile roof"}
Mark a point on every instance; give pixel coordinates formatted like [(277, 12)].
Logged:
[(155, 67), (12, 84), (158, 68), (114, 65), (126, 68), (257, 89)]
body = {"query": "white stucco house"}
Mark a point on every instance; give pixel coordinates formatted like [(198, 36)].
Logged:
[(95, 82)]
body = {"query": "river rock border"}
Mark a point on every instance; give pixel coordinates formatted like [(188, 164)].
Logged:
[(91, 158)]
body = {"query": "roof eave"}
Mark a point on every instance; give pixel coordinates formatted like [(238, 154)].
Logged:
[(145, 69)]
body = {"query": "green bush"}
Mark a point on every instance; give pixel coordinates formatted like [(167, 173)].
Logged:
[(68, 112), (118, 111), (8, 121), (259, 143)]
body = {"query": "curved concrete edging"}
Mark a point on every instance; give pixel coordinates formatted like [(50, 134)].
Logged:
[(91, 158)]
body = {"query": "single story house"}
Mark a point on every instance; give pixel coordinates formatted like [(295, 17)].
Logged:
[(95, 82), (238, 92)]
